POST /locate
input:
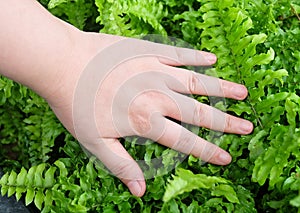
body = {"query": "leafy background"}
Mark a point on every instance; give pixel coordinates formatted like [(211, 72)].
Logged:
[(257, 44)]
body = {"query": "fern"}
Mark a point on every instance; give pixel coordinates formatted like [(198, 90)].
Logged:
[(186, 181), (225, 33), (44, 186), (227, 30), (257, 44), (28, 124), (131, 17), (33, 183), (76, 12)]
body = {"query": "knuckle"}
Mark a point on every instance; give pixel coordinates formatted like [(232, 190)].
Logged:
[(209, 152), (197, 114), (124, 170), (186, 143), (192, 82), (140, 113), (179, 54), (199, 117), (222, 87), (140, 122), (228, 122)]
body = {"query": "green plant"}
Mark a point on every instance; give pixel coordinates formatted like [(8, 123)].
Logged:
[(257, 44)]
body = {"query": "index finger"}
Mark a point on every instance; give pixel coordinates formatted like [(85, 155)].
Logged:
[(167, 54)]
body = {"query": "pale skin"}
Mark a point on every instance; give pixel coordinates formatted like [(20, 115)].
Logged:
[(49, 56)]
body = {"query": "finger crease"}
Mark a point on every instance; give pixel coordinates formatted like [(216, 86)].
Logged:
[(192, 84), (198, 117)]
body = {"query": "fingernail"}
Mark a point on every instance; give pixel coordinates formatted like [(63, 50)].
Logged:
[(246, 127), (212, 58), (224, 158), (135, 188)]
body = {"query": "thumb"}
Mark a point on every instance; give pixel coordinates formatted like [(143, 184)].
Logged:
[(114, 156)]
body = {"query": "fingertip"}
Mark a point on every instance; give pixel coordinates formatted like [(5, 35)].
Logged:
[(246, 127), (220, 157), (210, 57), (224, 158), (137, 187), (240, 92)]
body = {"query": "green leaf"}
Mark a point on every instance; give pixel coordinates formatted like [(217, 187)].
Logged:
[(291, 109), (48, 198), (62, 168), (30, 176), (38, 175), (295, 201), (296, 8), (49, 177), (226, 191), (54, 3), (39, 199), (90, 170), (263, 166), (271, 101), (22, 177), (12, 178), (4, 190), (186, 181), (256, 145), (29, 196), (240, 108), (11, 191), (19, 192), (4, 179)]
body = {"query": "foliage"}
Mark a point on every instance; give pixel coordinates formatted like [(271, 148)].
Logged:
[(28, 126), (257, 44), (80, 13), (131, 17)]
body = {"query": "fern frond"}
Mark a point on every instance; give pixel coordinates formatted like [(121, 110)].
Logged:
[(131, 17), (47, 186), (34, 183), (226, 31)]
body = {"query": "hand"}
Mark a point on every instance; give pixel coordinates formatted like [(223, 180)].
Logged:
[(129, 88)]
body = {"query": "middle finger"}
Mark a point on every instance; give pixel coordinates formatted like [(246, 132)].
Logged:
[(190, 82)]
